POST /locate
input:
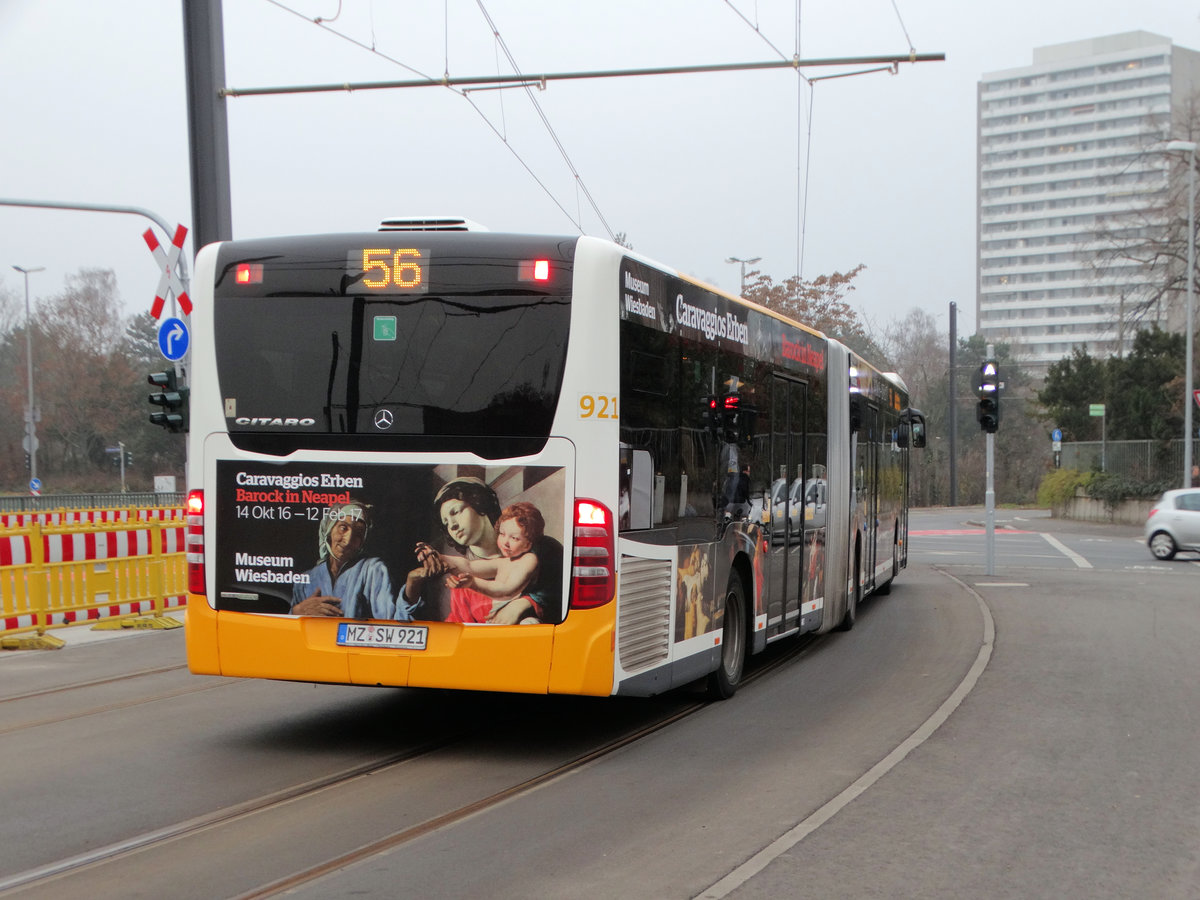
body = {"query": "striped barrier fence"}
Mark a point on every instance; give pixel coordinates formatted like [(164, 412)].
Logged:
[(91, 516), (69, 566)]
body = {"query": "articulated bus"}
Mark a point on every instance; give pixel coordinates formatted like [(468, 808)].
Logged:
[(438, 456)]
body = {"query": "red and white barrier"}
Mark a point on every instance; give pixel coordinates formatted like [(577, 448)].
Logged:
[(94, 545), (14, 550), (71, 616)]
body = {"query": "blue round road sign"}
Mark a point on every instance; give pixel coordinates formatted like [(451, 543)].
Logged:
[(35, 485), (173, 339), (1056, 434)]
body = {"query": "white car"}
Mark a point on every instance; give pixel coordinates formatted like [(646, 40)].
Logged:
[(1174, 523)]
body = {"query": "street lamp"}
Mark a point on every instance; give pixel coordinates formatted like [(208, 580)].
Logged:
[(30, 425), (1190, 148), (734, 259)]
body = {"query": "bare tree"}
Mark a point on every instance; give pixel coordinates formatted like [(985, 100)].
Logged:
[(83, 380), (1146, 246), (820, 304), (12, 309)]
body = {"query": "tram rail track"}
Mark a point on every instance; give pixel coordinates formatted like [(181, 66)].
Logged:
[(447, 819), (50, 876), (96, 682), (7, 704)]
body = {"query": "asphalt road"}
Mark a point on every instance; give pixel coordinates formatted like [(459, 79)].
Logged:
[(1072, 768), (1030, 733)]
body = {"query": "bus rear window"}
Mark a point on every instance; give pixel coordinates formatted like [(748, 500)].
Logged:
[(463, 346)]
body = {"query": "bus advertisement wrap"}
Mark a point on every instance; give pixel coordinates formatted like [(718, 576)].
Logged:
[(672, 305), (442, 543)]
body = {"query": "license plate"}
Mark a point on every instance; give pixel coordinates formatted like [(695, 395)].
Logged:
[(396, 637)]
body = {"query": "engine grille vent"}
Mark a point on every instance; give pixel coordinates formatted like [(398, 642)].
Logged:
[(644, 611)]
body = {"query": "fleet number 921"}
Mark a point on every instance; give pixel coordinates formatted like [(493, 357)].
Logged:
[(597, 407)]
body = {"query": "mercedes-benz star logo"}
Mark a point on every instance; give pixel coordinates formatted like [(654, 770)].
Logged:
[(383, 419)]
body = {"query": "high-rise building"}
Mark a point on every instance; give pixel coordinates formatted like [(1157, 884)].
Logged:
[(1070, 153)]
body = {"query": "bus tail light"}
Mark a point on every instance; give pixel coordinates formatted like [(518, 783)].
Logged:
[(194, 542), (533, 270), (248, 273), (593, 567)]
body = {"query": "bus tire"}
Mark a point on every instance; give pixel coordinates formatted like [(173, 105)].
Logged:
[(724, 682), (854, 596)]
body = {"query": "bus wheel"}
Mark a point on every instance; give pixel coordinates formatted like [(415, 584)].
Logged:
[(851, 616), (723, 682)]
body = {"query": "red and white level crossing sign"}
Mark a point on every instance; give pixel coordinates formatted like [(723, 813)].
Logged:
[(1196, 397), (169, 280)]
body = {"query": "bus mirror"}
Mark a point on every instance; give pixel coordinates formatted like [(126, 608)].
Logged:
[(912, 422), (918, 433)]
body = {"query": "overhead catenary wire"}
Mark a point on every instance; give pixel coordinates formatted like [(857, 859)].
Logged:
[(427, 80), (802, 181), (545, 77), (803, 117), (899, 19), (579, 184), (541, 79)]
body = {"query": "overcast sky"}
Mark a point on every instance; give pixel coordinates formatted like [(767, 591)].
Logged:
[(692, 168)]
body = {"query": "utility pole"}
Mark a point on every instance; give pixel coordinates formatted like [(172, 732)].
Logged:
[(31, 416), (208, 128), (953, 404)]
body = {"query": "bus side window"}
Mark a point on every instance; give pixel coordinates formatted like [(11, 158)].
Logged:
[(636, 503)]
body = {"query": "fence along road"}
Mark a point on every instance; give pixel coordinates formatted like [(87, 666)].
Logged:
[(61, 567)]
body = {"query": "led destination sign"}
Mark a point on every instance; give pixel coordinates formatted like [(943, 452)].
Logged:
[(389, 271)]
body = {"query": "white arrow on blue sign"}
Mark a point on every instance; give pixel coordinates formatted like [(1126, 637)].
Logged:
[(173, 339)]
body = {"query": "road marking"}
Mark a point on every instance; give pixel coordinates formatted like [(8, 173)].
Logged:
[(939, 532), (980, 584), (790, 839), (1066, 551)]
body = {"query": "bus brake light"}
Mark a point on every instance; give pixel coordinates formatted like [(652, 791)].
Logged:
[(593, 575), (533, 270), (248, 273), (194, 542)]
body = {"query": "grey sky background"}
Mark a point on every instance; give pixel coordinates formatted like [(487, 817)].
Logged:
[(692, 168)]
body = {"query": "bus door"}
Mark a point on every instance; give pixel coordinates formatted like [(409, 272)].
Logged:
[(786, 560), (869, 445)]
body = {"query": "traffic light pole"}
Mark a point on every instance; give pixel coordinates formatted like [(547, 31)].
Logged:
[(990, 506), (989, 497)]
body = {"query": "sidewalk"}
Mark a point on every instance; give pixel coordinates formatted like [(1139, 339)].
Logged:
[(1041, 521), (86, 633)]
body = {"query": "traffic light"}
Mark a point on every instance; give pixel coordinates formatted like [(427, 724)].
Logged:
[(989, 397), (128, 458), (173, 399), (28, 463)]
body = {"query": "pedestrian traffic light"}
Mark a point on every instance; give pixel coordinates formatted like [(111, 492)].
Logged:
[(173, 399), (989, 397)]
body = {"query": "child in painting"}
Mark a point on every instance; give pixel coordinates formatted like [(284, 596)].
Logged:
[(500, 591)]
